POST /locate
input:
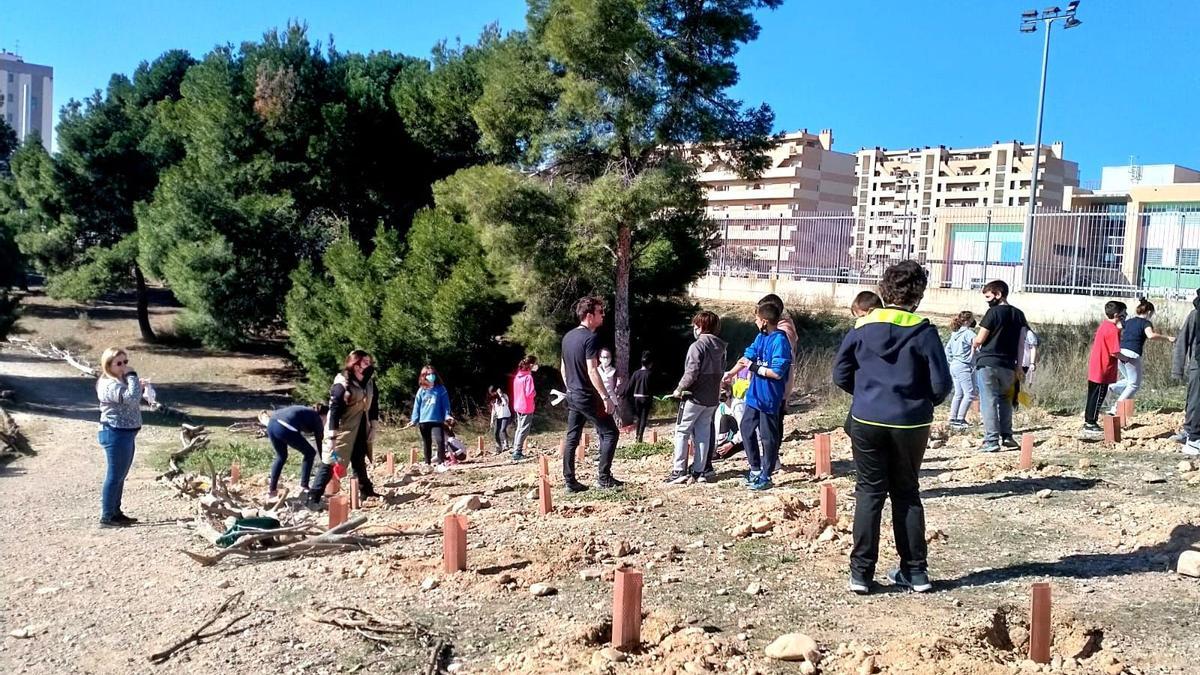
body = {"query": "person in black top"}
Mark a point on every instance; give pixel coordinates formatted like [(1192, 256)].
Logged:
[(587, 399), (286, 429), (638, 393), (1134, 334), (999, 346)]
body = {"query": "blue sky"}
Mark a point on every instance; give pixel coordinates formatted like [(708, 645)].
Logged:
[(889, 73)]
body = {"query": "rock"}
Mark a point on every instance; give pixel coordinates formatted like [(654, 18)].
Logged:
[(762, 525), (468, 503), (671, 578), (754, 589), (826, 535), (532, 495), (794, 647), (622, 549), (1044, 494), (656, 502), (1019, 637), (807, 668), (1153, 478), (867, 667), (224, 583), (742, 531), (26, 631), (1189, 563), (1115, 668), (590, 575), (613, 655), (429, 584), (1184, 466), (542, 590), (1085, 463)]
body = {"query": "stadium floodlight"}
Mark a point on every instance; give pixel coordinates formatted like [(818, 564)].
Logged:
[(1029, 14), (1072, 22)]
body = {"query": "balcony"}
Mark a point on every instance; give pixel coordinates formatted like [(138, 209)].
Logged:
[(743, 194)]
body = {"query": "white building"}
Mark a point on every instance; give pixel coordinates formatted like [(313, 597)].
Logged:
[(27, 98)]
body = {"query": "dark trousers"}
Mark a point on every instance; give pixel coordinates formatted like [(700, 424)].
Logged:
[(431, 433), (641, 414), (759, 426), (1095, 399), (888, 464), (358, 463), (281, 438), (500, 430), (581, 410), (1191, 410)]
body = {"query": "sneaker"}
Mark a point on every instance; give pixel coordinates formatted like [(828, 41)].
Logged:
[(751, 477), (313, 504), (518, 456), (859, 584), (1010, 443), (272, 494), (611, 483), (1180, 437), (957, 425), (707, 477), (676, 479), (112, 522), (442, 468), (1092, 429), (990, 447), (1191, 448), (368, 493), (918, 581), (692, 479), (122, 518), (574, 487), (762, 484)]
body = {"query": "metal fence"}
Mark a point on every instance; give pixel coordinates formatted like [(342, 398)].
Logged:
[(1101, 251)]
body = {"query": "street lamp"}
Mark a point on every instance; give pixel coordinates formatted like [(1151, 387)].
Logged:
[(909, 180), (1029, 21)]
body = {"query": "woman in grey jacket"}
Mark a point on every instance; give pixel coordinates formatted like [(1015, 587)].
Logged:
[(119, 391), (700, 392)]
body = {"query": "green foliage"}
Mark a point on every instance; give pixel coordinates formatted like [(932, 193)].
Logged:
[(640, 450), (8, 145), (9, 312), (435, 303)]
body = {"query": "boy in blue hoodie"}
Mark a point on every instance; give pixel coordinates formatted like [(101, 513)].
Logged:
[(894, 365), (769, 359)]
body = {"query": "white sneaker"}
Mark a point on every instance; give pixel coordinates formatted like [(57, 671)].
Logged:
[(442, 468), (1191, 448)]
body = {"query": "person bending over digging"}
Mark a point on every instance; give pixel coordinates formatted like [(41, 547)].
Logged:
[(286, 429), (351, 425), (893, 363)]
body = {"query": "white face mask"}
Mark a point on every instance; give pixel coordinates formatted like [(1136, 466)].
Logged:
[(605, 360), (533, 368), (695, 332)]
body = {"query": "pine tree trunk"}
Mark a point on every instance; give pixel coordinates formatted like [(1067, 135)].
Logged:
[(143, 306), (621, 311)]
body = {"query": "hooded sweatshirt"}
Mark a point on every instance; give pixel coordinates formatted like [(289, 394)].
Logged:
[(773, 351), (703, 368), (524, 395), (1186, 355), (431, 405), (894, 365)]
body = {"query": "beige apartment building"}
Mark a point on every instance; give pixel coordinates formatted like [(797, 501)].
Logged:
[(27, 97), (900, 191), (804, 174)]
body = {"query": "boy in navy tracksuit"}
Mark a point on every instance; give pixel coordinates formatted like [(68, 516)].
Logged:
[(769, 359), (894, 365)]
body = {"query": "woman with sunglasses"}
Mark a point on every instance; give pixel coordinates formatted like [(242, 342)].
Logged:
[(119, 390), (351, 425)]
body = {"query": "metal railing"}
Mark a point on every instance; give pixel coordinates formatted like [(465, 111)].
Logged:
[(1103, 251)]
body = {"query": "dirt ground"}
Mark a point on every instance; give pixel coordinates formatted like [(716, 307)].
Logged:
[(1106, 537)]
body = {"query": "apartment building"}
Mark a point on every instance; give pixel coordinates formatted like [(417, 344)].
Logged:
[(900, 191), (27, 97), (804, 174)]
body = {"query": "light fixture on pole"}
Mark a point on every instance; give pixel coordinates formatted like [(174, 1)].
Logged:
[(1029, 21)]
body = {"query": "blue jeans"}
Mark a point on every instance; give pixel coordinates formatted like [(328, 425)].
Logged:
[(281, 438), (765, 424), (118, 449), (964, 390), (995, 406)]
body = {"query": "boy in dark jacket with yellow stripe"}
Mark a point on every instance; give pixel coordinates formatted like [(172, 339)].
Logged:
[(894, 365)]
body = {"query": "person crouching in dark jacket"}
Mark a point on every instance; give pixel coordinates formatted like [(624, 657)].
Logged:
[(893, 363)]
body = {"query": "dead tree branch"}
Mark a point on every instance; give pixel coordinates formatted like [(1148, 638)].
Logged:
[(199, 635)]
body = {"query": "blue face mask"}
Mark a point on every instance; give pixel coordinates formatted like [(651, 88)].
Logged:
[(431, 378)]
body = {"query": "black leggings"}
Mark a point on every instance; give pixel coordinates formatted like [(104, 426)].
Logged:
[(432, 432), (358, 463), (641, 411), (500, 429), (1095, 399)]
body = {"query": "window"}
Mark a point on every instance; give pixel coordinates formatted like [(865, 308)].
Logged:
[(1153, 257), (10, 77), (1189, 257), (33, 101)]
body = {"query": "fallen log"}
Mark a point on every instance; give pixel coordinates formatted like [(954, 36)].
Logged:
[(336, 538)]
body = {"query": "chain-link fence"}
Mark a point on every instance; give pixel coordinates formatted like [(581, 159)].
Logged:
[(1101, 251)]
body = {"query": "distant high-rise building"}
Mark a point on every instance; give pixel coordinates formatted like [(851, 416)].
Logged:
[(900, 191), (27, 97)]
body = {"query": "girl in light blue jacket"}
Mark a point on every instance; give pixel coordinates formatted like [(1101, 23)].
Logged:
[(961, 356)]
